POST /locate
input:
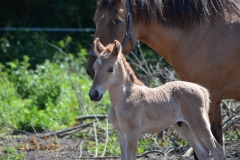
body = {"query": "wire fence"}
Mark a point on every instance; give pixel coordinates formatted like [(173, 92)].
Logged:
[(48, 29)]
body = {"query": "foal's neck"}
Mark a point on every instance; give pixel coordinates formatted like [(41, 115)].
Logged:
[(123, 85)]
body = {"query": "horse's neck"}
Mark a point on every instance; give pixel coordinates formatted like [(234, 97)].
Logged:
[(173, 42), (163, 40)]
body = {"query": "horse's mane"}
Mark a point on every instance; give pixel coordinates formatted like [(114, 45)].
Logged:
[(133, 77), (179, 13)]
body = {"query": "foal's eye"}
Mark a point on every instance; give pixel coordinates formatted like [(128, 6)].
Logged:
[(110, 70)]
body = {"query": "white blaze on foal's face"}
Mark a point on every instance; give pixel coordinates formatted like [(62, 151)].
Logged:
[(99, 61)]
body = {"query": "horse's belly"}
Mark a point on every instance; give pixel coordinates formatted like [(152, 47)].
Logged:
[(213, 61), (221, 76)]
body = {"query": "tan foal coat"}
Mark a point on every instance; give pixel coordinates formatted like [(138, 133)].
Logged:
[(136, 109)]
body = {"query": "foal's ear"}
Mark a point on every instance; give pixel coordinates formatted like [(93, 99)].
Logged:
[(117, 48), (97, 46)]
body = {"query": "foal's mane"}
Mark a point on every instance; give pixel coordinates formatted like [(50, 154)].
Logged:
[(130, 71), (133, 77), (178, 13)]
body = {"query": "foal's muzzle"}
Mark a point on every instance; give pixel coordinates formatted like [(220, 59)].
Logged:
[(95, 95)]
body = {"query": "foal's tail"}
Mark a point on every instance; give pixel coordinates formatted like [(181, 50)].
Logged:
[(206, 100)]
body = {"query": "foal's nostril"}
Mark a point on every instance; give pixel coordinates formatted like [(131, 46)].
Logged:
[(94, 95)]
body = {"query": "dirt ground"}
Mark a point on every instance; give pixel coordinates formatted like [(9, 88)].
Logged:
[(69, 148)]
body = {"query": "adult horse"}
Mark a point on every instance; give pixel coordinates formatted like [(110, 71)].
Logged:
[(200, 39)]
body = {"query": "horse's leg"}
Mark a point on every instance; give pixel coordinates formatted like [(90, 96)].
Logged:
[(216, 122), (184, 131)]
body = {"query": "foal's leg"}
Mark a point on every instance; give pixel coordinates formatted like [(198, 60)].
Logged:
[(123, 145), (202, 131), (216, 149), (121, 139), (128, 142), (216, 121), (200, 149), (132, 140), (130, 128), (207, 137)]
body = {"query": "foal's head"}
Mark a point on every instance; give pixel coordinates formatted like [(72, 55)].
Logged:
[(104, 67)]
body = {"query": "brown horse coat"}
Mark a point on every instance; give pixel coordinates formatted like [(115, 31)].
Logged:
[(200, 39)]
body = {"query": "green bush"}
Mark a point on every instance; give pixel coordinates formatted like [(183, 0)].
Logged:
[(48, 97), (14, 45), (43, 14), (10, 153)]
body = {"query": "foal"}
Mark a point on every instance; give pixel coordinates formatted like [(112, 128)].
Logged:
[(136, 109)]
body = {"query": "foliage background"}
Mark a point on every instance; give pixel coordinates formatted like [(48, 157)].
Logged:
[(36, 79), (42, 89), (44, 14)]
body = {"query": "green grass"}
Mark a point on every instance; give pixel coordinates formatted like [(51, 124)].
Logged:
[(10, 153)]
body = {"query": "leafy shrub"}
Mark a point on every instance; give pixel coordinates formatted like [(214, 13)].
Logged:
[(14, 45), (48, 97), (10, 154)]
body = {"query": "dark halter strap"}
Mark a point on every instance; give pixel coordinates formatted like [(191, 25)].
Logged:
[(92, 53), (129, 27), (128, 32)]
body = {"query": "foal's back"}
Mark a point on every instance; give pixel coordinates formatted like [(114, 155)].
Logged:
[(170, 103), (177, 92)]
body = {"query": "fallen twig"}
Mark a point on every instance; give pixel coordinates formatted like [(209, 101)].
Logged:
[(96, 139), (146, 153), (81, 118), (106, 141), (80, 149), (107, 157), (114, 157), (65, 131)]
